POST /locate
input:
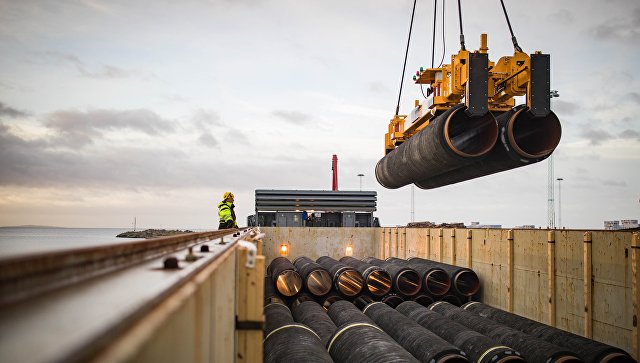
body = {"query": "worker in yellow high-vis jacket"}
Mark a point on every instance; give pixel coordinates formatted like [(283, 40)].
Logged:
[(226, 213)]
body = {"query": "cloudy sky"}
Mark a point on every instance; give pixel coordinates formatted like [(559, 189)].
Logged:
[(111, 110)]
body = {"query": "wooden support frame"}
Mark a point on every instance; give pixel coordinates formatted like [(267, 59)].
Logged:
[(588, 287), (428, 246), (440, 245), (453, 246), (551, 276), (469, 249), (249, 306), (510, 269)]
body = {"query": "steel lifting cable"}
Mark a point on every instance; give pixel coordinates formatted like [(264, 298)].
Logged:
[(433, 45), (461, 32), (513, 37), (404, 66)]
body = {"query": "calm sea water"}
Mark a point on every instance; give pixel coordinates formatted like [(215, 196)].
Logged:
[(27, 240)]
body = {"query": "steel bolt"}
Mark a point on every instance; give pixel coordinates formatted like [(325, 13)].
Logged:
[(204, 248), (171, 263)]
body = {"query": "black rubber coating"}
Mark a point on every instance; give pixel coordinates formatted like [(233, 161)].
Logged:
[(377, 280), (479, 348), (532, 349), (316, 278), (464, 281), (405, 280), (313, 315), (420, 342), (284, 276), (435, 280), (451, 141), (524, 140), (589, 350), (346, 279), (271, 295)]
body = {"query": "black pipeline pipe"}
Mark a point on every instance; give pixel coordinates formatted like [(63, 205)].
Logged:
[(452, 299), (270, 293), (299, 299), (532, 349), (284, 276), (464, 281), (377, 280), (392, 299), (524, 140), (329, 299), (479, 348), (435, 280), (424, 300), (405, 280), (346, 280), (359, 340), (586, 349), (420, 342), (450, 141), (316, 279), (281, 331), (363, 300), (311, 314)]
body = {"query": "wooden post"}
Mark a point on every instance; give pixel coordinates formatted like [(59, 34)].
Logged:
[(469, 239), (428, 246), (588, 293), (510, 269), (453, 246), (404, 243), (635, 288), (249, 307), (394, 243), (440, 244), (551, 276)]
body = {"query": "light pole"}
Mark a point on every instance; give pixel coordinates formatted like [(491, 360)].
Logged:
[(360, 175), (559, 202)]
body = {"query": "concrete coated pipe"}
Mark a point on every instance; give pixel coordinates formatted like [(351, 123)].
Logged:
[(346, 280), (524, 140), (450, 141), (589, 350), (313, 315), (317, 280), (284, 276), (435, 280), (405, 280), (377, 280), (464, 281)]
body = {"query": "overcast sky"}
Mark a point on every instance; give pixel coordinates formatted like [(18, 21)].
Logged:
[(111, 110)]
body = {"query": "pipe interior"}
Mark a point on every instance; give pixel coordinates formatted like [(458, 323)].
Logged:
[(379, 283), (289, 283), (438, 282), (319, 282), (350, 282), (408, 282), (469, 137), (535, 136), (467, 283)]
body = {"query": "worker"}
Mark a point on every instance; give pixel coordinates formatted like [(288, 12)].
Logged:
[(226, 212)]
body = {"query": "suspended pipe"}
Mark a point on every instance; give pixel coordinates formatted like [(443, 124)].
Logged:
[(313, 315), (479, 348), (435, 280), (420, 342), (359, 340), (270, 293), (464, 281), (346, 280), (586, 349), (280, 331), (450, 141), (284, 276), (405, 280), (317, 280), (377, 280), (532, 349), (524, 140)]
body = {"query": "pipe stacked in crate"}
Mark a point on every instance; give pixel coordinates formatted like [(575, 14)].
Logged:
[(363, 317)]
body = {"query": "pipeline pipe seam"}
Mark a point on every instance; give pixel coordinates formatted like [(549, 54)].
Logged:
[(290, 326), (465, 306), (436, 304), (364, 311), (275, 303), (491, 350), (347, 327)]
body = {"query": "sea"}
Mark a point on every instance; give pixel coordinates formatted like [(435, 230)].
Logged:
[(18, 241)]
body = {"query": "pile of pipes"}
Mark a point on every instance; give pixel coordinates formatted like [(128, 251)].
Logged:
[(429, 224), (349, 320), (392, 281)]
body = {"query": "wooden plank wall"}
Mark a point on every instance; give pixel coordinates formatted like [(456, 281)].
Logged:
[(585, 282)]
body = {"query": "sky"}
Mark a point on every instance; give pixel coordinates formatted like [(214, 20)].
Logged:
[(115, 110)]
